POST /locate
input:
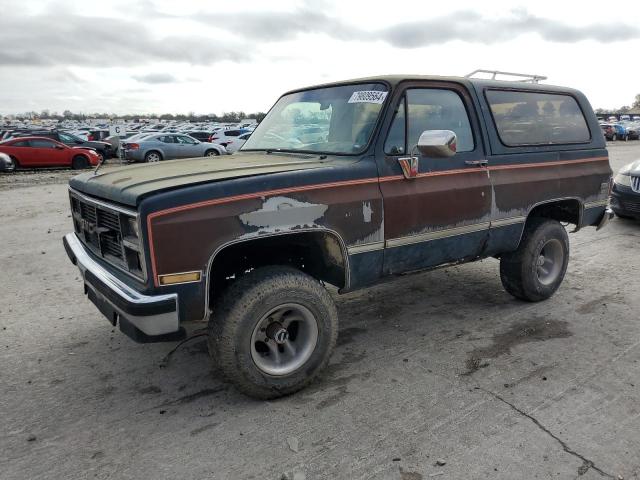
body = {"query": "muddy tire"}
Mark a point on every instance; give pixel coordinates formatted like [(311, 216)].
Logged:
[(273, 331), (536, 269)]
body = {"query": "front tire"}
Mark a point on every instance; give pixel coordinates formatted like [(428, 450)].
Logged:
[(13, 166), (536, 269), (79, 162), (273, 331), (211, 153)]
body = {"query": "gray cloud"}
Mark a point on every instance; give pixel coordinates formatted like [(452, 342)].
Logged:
[(102, 42), (468, 26), (156, 78)]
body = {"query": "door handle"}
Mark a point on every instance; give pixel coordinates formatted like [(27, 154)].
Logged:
[(479, 163)]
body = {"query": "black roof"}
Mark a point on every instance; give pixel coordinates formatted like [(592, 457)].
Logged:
[(394, 80)]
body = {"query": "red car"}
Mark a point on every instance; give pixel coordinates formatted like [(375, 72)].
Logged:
[(43, 152)]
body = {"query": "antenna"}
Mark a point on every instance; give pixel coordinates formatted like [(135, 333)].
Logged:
[(521, 77)]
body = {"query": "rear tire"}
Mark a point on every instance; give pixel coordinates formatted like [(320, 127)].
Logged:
[(152, 157), (536, 269), (272, 331), (79, 162)]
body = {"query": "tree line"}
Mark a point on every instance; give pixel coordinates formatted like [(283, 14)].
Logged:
[(226, 117), (635, 107)]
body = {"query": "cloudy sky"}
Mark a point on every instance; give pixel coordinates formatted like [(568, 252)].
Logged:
[(212, 56)]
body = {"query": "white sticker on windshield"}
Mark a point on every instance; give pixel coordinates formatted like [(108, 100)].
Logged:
[(368, 96)]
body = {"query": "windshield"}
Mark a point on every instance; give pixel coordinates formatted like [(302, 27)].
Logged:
[(337, 120)]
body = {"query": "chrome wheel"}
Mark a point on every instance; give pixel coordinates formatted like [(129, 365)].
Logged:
[(284, 339), (153, 157), (550, 262)]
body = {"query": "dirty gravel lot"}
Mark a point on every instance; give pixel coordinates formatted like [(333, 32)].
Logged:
[(441, 367)]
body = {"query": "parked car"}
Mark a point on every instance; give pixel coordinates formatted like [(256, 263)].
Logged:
[(222, 137), (625, 193), (167, 146), (234, 144), (414, 173), (633, 130), (608, 131), (199, 135), (620, 132), (27, 152), (103, 149)]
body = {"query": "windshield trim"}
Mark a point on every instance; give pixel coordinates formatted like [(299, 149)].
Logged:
[(370, 140)]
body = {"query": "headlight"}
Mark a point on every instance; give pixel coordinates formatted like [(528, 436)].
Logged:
[(622, 179), (132, 224)]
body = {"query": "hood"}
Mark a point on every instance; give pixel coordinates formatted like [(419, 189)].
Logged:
[(128, 184), (632, 168)]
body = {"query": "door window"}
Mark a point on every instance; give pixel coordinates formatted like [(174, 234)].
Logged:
[(428, 109), (42, 143), (186, 140), (437, 109)]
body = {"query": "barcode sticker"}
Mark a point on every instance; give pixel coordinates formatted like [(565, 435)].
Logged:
[(368, 96)]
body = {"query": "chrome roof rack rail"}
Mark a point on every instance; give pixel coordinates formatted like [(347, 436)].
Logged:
[(520, 77)]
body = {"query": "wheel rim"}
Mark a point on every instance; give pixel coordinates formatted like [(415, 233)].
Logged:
[(550, 261), (12, 165), (153, 157), (212, 153), (284, 339)]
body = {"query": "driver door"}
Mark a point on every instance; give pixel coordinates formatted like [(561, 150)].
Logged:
[(441, 213)]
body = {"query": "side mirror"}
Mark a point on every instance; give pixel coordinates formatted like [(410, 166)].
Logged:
[(437, 143)]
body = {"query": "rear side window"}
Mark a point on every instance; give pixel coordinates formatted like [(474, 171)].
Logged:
[(533, 118), (232, 133), (22, 143)]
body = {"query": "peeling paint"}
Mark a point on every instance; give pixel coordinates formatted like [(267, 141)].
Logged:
[(279, 212), (367, 211)]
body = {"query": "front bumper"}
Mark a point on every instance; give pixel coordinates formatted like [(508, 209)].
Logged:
[(624, 201), (141, 317)]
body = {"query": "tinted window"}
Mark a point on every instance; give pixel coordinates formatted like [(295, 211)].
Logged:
[(532, 118), (42, 143), (22, 143), (232, 133), (435, 109)]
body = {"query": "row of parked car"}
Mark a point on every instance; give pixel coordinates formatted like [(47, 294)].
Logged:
[(56, 148), (627, 129)]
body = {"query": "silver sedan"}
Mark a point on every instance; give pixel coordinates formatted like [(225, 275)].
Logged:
[(166, 146)]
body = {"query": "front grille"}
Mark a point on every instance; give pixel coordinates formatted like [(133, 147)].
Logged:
[(635, 184), (103, 230), (630, 206)]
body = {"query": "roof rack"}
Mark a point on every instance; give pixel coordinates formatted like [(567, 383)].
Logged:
[(522, 77)]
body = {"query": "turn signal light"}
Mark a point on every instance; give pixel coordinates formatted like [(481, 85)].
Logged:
[(185, 277)]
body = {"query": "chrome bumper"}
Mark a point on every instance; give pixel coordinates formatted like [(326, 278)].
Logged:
[(142, 317)]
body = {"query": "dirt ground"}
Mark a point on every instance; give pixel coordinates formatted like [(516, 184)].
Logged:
[(440, 375)]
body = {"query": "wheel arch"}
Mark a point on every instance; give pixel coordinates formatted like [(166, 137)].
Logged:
[(333, 268), (565, 209)]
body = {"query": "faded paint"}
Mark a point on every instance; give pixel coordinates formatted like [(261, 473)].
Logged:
[(367, 211)]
